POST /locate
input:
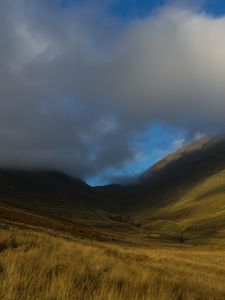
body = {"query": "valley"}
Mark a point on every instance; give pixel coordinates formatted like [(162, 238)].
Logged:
[(160, 238)]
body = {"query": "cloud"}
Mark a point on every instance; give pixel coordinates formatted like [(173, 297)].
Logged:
[(77, 85)]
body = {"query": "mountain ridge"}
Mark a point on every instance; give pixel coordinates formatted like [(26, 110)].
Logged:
[(182, 196)]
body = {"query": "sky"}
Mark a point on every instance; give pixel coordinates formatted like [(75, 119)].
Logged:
[(103, 89)]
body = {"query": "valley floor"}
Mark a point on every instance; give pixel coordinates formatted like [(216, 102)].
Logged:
[(41, 265)]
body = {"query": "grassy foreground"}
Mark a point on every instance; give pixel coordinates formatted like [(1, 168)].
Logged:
[(38, 265)]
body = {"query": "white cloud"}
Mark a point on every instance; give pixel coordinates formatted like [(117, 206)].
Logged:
[(178, 143), (199, 135)]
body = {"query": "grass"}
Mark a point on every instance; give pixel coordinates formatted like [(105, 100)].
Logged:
[(199, 213), (41, 266)]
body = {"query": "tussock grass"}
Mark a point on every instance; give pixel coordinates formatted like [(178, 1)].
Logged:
[(38, 266)]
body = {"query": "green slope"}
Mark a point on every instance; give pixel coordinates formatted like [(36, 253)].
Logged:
[(183, 196)]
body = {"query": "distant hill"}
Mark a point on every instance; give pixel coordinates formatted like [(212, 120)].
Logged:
[(51, 192), (181, 198)]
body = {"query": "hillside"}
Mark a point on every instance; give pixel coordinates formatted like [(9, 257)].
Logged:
[(51, 192), (55, 201), (181, 198), (37, 265)]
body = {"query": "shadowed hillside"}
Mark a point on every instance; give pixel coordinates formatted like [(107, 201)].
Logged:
[(53, 200), (52, 192)]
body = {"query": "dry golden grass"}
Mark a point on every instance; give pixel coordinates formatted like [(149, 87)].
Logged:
[(40, 266)]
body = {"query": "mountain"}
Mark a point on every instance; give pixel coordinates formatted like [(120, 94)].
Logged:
[(54, 200), (183, 195), (53, 192), (181, 198)]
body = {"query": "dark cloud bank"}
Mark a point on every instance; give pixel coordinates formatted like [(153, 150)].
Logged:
[(77, 84)]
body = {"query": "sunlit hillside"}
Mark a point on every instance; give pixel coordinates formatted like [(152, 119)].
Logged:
[(183, 196)]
